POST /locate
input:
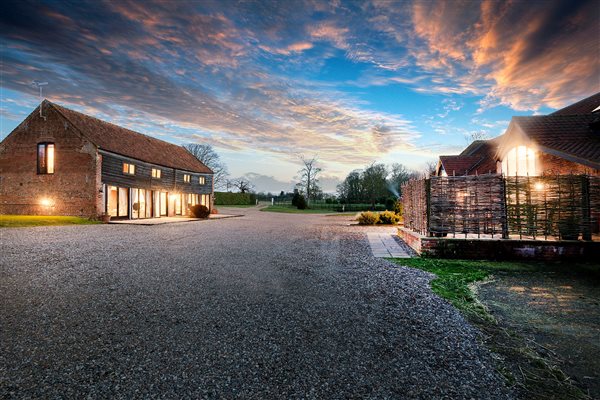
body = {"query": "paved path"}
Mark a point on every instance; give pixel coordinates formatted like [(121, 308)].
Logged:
[(265, 306), (383, 244)]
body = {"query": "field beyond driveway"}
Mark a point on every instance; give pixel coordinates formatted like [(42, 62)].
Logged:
[(263, 306)]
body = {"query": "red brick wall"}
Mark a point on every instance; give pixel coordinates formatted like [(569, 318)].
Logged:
[(73, 189), (552, 165)]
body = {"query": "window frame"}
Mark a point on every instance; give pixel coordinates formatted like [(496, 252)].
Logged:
[(187, 178), (44, 170), (202, 180), (156, 173), (130, 168)]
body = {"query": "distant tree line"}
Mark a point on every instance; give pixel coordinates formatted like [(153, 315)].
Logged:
[(376, 183)]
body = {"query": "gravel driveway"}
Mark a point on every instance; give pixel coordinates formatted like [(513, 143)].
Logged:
[(264, 306)]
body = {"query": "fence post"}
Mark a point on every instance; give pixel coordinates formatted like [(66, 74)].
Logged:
[(504, 208), (586, 218), (428, 204)]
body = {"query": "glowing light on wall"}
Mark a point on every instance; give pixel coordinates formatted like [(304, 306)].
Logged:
[(521, 161), (46, 202)]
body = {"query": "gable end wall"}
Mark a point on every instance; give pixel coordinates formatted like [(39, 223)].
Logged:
[(73, 189)]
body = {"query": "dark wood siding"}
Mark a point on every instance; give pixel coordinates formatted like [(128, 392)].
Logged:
[(171, 180)]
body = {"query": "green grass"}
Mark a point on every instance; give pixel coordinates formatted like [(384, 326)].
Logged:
[(234, 205), (17, 221), (454, 278), (294, 210)]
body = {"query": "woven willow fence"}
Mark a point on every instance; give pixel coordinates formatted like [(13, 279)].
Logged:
[(548, 207)]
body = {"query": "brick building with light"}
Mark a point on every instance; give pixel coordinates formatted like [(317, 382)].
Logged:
[(62, 162), (564, 142)]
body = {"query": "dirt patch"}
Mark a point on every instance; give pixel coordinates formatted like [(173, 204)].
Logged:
[(556, 315)]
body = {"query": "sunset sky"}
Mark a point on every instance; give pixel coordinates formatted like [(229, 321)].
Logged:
[(266, 81)]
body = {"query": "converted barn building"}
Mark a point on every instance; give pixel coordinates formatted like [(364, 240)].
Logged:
[(62, 162)]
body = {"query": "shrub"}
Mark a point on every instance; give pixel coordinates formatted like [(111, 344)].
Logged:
[(388, 218), (199, 211), (368, 218), (399, 208), (295, 198), (301, 203)]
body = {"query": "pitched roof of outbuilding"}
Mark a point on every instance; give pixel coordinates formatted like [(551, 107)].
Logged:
[(573, 137), (585, 106), (478, 158), (459, 165), (119, 140)]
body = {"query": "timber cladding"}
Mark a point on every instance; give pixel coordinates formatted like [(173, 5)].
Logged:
[(171, 180)]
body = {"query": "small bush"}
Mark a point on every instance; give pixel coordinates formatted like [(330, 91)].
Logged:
[(199, 211), (301, 203), (368, 218), (388, 218), (399, 208), (295, 198)]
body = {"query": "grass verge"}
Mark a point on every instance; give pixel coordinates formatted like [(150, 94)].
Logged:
[(294, 210), (524, 363), (19, 221), (235, 206)]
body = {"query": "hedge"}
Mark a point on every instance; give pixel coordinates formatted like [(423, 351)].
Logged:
[(230, 199)]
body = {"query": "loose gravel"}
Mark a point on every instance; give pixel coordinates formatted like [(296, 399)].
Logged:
[(266, 306)]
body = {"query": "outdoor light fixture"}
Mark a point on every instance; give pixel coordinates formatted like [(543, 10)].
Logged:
[(539, 186), (45, 202)]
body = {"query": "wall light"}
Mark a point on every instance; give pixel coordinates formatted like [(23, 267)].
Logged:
[(46, 202), (539, 186)]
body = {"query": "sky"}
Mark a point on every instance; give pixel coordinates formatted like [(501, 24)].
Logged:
[(264, 82)]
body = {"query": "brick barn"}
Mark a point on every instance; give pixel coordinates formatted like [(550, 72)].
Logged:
[(62, 162)]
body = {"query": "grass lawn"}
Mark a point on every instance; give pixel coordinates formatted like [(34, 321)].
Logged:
[(533, 373), (235, 206), (455, 276), (16, 221), (294, 210)]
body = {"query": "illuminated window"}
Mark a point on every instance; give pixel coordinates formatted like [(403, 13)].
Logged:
[(201, 180), (156, 173), (520, 161), (45, 158), (128, 169), (186, 178)]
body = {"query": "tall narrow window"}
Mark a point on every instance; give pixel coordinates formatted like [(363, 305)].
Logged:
[(186, 178), (201, 180), (45, 158), (128, 169), (156, 173)]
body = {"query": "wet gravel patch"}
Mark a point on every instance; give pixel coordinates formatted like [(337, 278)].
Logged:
[(264, 306)]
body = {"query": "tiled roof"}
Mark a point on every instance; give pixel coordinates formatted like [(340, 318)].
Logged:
[(478, 158), (115, 139), (459, 165), (585, 106), (569, 136)]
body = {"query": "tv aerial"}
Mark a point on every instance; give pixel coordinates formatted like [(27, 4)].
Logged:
[(40, 86)]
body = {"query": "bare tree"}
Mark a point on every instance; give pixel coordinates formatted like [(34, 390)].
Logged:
[(209, 157), (242, 184), (309, 177)]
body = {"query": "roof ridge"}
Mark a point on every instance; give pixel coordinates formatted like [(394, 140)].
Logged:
[(117, 139)]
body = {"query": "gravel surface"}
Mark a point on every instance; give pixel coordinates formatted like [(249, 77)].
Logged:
[(264, 306)]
